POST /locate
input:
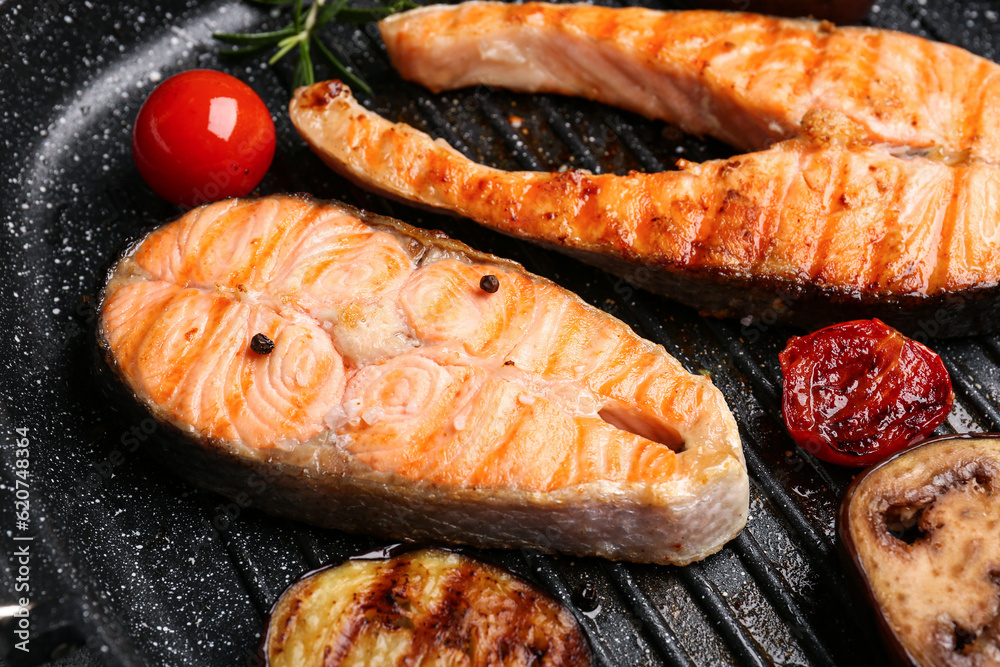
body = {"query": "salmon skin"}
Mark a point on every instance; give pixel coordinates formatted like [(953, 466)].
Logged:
[(414, 388), (746, 79), (813, 230)]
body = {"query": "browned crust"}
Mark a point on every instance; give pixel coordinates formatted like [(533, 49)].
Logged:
[(729, 294), (732, 294), (575, 648), (737, 291), (653, 49)]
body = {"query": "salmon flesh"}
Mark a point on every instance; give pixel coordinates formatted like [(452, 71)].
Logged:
[(414, 388), (745, 79), (879, 198)]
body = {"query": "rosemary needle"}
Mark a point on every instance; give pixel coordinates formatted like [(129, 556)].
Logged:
[(303, 34)]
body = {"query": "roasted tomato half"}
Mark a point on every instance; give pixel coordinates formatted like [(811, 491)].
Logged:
[(857, 392)]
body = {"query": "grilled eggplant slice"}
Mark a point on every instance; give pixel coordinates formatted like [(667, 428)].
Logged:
[(922, 533), (427, 607)]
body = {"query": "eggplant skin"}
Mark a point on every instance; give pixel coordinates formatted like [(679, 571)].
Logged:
[(423, 607), (920, 534), (693, 516)]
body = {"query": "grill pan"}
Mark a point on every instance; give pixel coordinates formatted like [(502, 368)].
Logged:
[(130, 566)]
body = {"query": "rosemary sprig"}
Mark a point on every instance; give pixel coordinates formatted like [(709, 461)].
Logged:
[(303, 33)]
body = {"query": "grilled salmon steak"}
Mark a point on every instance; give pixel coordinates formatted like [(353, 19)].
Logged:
[(814, 229), (746, 79), (382, 379), (879, 198)]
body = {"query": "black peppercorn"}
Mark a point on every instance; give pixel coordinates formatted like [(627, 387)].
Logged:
[(586, 597), (489, 283), (261, 344)]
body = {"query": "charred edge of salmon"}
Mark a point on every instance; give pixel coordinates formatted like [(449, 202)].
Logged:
[(731, 294), (319, 97), (722, 294), (323, 486)]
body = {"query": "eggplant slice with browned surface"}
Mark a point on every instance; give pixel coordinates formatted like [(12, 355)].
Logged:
[(922, 533), (426, 607), (365, 375)]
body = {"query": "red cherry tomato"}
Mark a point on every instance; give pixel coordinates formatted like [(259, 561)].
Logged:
[(857, 392), (202, 135)]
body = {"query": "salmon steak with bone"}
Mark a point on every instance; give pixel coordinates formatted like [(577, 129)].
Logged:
[(870, 189), (357, 373)]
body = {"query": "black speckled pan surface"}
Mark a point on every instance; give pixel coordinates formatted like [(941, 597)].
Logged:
[(130, 566)]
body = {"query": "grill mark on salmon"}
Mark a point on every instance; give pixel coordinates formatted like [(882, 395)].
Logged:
[(711, 224), (949, 229), (857, 98), (745, 79), (392, 364)]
